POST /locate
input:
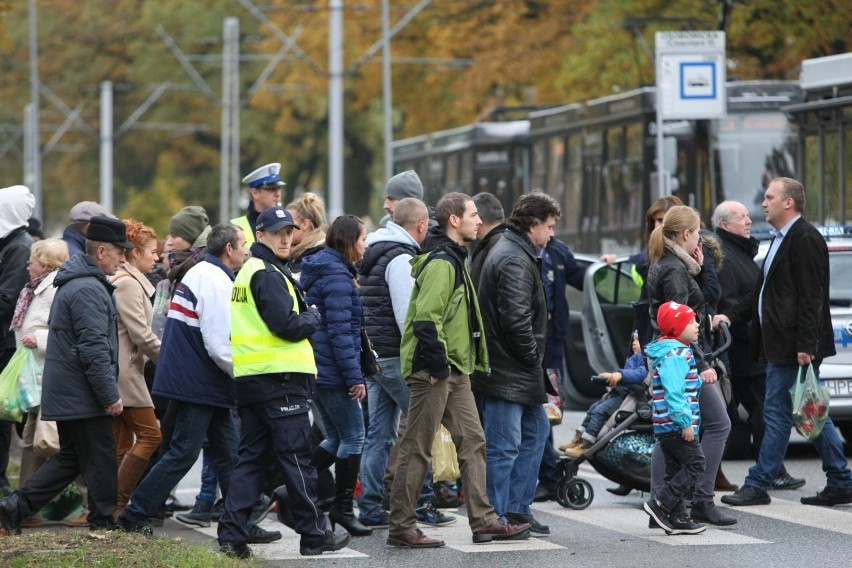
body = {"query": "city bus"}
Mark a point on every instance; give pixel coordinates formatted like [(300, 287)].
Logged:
[(598, 159)]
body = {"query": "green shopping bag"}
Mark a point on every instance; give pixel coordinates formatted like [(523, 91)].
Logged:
[(10, 400), (810, 404)]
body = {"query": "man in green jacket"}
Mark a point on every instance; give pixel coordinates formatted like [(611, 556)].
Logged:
[(442, 344)]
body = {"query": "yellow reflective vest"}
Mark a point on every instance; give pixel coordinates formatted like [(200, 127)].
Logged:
[(243, 223), (256, 350)]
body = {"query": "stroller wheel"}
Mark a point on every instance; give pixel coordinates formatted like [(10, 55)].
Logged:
[(574, 493)]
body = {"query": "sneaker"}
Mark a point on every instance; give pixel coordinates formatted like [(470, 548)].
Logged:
[(427, 514), (197, 517), (447, 496), (380, 521), (658, 513), (786, 481), (535, 526), (683, 524), (259, 535), (333, 541)]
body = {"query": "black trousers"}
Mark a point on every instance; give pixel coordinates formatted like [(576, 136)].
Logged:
[(276, 429), (5, 429), (85, 447), (684, 463)]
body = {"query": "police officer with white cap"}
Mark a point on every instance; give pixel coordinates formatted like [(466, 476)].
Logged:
[(265, 185)]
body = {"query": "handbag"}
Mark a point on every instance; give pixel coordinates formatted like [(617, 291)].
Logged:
[(45, 437), (369, 357)]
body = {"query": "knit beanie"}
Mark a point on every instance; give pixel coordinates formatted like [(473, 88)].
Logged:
[(672, 318), (406, 184), (189, 223)]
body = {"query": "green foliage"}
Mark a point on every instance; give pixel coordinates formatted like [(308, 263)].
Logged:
[(473, 56)]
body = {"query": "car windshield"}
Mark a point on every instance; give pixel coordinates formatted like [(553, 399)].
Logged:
[(840, 290)]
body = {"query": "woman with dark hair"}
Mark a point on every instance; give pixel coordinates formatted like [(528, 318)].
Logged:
[(328, 278), (675, 274)]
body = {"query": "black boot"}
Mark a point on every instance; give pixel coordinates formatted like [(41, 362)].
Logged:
[(321, 459), (345, 477)]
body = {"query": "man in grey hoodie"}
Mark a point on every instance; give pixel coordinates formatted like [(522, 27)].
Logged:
[(386, 284)]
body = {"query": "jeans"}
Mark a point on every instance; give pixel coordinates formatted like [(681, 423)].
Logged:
[(684, 464), (715, 427), (280, 430), (515, 435), (192, 423), (209, 477), (778, 417), (387, 399), (598, 414), (343, 422)]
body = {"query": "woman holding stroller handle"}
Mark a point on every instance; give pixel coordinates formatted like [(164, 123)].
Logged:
[(675, 274)]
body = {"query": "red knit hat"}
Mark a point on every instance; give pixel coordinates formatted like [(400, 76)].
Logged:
[(672, 318)]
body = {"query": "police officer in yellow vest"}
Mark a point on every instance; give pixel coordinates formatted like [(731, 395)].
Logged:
[(265, 186), (274, 371)]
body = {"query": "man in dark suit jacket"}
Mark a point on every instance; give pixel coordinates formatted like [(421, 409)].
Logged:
[(791, 328)]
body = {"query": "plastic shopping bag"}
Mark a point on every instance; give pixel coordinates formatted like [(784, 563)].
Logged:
[(10, 402), (810, 404), (445, 462), (29, 381)]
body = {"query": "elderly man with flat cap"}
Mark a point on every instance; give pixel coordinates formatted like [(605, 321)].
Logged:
[(265, 185), (74, 234), (79, 387)]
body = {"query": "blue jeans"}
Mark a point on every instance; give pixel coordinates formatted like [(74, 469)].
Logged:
[(209, 478), (598, 414), (778, 417), (343, 421), (387, 399), (192, 423), (515, 435)]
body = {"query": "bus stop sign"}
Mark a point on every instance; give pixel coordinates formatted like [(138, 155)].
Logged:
[(690, 75)]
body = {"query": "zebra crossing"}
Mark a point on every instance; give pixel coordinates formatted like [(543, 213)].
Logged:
[(618, 516)]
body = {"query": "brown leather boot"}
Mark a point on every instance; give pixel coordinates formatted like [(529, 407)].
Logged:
[(131, 469), (722, 483)]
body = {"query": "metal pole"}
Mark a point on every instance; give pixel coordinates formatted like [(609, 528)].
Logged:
[(235, 113), (29, 135), (661, 170), (335, 109), (34, 181), (386, 89), (106, 145), (225, 153)]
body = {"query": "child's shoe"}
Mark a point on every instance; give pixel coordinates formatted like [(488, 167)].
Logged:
[(579, 449), (682, 523), (572, 443)]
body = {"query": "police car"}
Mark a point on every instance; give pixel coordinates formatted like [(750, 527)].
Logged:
[(608, 318)]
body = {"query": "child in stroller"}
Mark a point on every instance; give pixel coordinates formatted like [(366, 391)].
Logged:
[(620, 382)]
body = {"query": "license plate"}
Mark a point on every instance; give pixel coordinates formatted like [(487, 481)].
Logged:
[(838, 388)]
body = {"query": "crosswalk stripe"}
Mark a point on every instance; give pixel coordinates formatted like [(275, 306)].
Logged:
[(633, 521), (288, 547), (459, 537), (825, 518)]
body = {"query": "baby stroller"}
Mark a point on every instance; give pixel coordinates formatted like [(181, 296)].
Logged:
[(622, 450)]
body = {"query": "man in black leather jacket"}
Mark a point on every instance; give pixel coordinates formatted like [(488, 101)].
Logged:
[(514, 314)]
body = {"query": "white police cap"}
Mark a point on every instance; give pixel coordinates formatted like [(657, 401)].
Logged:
[(265, 177)]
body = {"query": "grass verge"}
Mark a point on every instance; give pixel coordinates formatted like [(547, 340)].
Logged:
[(108, 549)]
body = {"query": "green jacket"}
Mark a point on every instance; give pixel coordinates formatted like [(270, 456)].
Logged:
[(443, 326)]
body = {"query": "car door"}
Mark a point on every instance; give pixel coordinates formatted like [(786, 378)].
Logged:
[(608, 294)]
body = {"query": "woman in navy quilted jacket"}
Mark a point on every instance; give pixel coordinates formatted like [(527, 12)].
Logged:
[(328, 278)]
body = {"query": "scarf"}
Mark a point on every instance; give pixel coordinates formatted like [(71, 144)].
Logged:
[(691, 265), (24, 299)]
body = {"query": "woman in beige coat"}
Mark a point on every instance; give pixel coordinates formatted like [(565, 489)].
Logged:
[(136, 341), (30, 326)]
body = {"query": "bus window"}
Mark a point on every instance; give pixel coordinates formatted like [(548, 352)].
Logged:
[(451, 173), (556, 168), (570, 204), (539, 152)]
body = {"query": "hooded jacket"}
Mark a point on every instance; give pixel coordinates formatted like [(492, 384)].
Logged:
[(675, 386), (81, 360), (329, 284), (16, 206), (385, 286), (443, 326), (514, 312)]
